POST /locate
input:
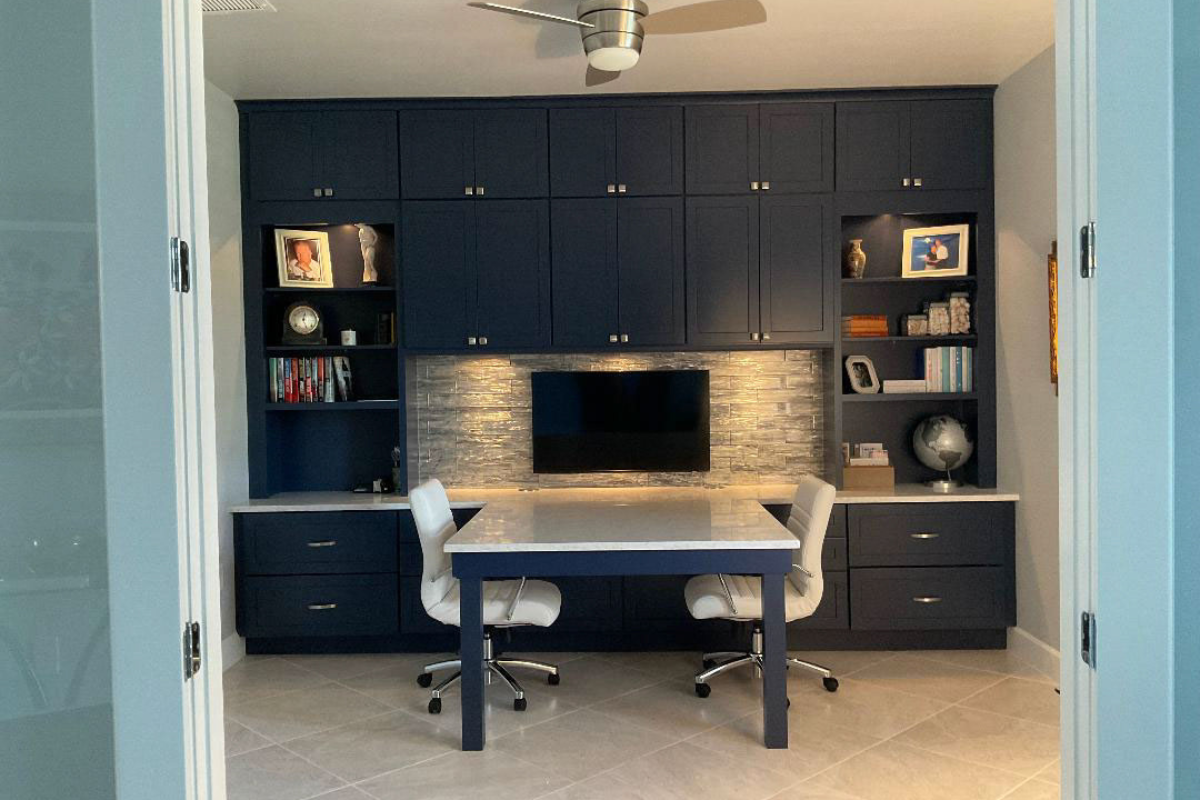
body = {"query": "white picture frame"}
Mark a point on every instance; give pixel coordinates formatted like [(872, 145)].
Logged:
[(303, 259), (940, 252), (861, 372)]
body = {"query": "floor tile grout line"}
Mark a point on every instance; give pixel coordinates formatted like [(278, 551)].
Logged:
[(974, 763), (1012, 792), (1044, 678)]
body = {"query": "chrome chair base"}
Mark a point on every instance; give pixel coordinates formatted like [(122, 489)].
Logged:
[(721, 662), (497, 667)]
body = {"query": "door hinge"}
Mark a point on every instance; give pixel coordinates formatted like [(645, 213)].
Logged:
[(1087, 250), (1087, 638), (192, 660), (181, 265)]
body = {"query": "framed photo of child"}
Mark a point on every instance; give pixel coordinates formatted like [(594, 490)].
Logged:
[(936, 252), (303, 258)]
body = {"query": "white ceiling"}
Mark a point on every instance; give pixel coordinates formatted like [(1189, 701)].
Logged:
[(444, 48)]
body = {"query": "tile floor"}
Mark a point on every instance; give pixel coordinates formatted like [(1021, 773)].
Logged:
[(976, 725)]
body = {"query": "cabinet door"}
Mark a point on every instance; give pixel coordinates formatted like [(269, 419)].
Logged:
[(283, 155), (952, 143), (439, 274), (796, 269), (582, 152), (585, 272), (872, 145), (437, 154), (357, 155), (651, 268), (650, 150), (722, 270), (512, 240), (722, 149), (511, 158), (797, 147)]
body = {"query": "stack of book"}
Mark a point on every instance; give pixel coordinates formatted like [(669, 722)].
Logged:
[(948, 369), (864, 326), (309, 379), (869, 454)]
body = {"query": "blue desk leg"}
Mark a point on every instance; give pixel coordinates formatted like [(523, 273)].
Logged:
[(471, 652), (775, 722)]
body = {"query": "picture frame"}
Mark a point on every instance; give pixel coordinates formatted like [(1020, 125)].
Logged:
[(939, 252), (303, 259), (861, 372)]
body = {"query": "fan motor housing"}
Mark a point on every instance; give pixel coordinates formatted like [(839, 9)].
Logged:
[(617, 24)]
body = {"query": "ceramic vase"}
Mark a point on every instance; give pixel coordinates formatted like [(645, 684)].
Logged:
[(856, 260)]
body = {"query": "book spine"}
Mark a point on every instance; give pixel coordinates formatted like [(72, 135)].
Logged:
[(287, 380), (271, 378), (969, 368), (321, 378), (945, 374), (958, 370)]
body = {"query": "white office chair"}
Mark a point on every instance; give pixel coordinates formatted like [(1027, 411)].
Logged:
[(506, 604), (739, 598)]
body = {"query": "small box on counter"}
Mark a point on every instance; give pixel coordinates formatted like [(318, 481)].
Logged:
[(855, 478)]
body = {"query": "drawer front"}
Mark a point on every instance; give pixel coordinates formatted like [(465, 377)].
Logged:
[(317, 543), (930, 534), (930, 599), (321, 605), (411, 560), (833, 613)]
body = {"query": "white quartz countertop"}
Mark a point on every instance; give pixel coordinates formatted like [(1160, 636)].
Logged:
[(478, 498)]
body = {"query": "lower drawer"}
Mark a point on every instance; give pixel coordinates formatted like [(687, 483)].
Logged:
[(321, 605), (930, 599)]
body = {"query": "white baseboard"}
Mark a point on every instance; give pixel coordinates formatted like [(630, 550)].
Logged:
[(233, 650), (1041, 656)]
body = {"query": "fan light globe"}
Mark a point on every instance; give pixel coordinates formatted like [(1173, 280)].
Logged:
[(613, 59)]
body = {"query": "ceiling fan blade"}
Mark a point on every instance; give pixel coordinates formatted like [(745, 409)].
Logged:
[(525, 12), (598, 77), (707, 16)]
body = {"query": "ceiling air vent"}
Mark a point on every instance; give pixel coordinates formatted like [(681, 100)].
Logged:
[(234, 6)]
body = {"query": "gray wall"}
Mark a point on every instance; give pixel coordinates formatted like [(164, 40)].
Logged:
[(229, 345), (470, 417), (1027, 402)]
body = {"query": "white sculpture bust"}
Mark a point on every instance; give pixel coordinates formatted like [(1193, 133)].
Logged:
[(367, 239)]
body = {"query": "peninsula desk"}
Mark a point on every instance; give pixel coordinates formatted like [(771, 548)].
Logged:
[(607, 532)]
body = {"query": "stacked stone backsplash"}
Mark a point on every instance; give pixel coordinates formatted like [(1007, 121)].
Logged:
[(470, 418)]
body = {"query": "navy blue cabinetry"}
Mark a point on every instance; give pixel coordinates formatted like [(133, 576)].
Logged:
[(722, 270), (498, 153), (597, 152), (476, 275), (307, 155), (778, 148), (585, 272)]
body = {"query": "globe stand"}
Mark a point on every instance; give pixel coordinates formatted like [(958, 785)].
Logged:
[(945, 485)]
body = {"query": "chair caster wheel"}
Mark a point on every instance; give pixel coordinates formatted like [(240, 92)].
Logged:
[(708, 663), (831, 684), (520, 704), (435, 705), (554, 679), (425, 680), (703, 690)]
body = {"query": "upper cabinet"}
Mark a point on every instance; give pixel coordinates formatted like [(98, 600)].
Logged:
[(497, 154), (328, 155), (778, 148), (616, 151), (920, 144)]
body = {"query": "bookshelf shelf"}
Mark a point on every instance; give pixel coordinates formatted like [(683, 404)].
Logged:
[(357, 405), (928, 340), (334, 290), (327, 348), (913, 397), (914, 281)]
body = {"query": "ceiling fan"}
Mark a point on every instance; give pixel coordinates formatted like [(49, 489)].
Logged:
[(613, 30)]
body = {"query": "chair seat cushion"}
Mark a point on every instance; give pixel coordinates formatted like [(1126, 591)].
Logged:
[(539, 604), (706, 599)]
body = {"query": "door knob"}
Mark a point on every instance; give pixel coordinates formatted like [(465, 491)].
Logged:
[(471, 341), (754, 186), (483, 340), (612, 338), (469, 191), (316, 192), (766, 185), (905, 183), (754, 337), (329, 192), (479, 191), (625, 338), (766, 337), (917, 182), (612, 188), (622, 188)]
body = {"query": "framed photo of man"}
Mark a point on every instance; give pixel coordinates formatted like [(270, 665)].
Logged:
[(936, 252), (303, 258)]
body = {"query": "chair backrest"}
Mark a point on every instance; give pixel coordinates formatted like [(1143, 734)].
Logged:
[(435, 524), (808, 522)]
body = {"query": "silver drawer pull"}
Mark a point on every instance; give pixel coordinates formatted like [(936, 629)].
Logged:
[(326, 543), (927, 600), (322, 606), (925, 535)]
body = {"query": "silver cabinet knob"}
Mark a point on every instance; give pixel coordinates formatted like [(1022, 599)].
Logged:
[(329, 192), (905, 183), (927, 600), (622, 188), (322, 606), (766, 185), (924, 536), (469, 191), (625, 338), (612, 188), (325, 543), (482, 340), (754, 186), (472, 341), (754, 337), (479, 191), (316, 192), (613, 338), (766, 337), (917, 182)]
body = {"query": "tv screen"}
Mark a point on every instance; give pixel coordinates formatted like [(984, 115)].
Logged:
[(619, 421)]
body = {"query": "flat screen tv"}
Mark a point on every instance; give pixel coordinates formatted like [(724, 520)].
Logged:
[(653, 421)]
